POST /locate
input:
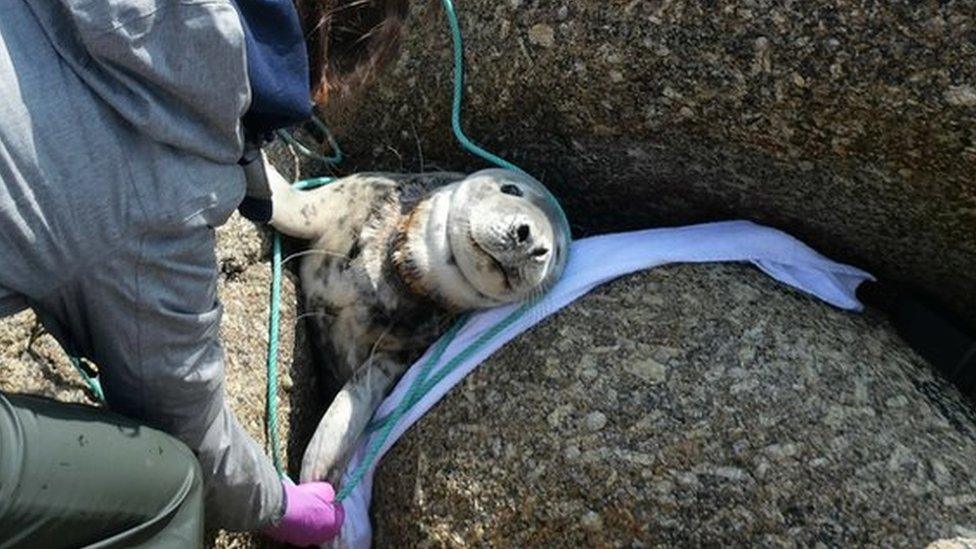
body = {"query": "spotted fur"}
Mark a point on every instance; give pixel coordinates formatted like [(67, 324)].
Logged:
[(384, 277)]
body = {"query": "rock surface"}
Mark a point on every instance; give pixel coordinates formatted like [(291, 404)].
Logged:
[(770, 419), (852, 125)]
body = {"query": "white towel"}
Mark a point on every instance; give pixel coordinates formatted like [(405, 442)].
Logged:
[(592, 262)]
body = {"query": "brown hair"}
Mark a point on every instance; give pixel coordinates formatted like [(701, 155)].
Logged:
[(348, 41)]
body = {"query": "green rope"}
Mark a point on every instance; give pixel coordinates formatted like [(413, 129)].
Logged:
[(413, 394), (421, 385), (336, 158), (467, 143), (272, 388), (452, 365), (93, 383), (274, 322)]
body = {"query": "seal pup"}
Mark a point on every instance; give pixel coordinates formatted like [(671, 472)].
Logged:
[(393, 259)]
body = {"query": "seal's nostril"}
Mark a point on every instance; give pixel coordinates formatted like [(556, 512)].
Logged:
[(522, 232), (539, 252)]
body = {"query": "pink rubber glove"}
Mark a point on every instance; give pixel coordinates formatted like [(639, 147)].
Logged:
[(311, 516)]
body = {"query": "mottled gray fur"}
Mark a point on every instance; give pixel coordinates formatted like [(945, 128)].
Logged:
[(370, 329), (392, 260)]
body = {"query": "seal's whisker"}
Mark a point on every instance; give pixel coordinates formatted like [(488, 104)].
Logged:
[(315, 314), (313, 251), (376, 344), (398, 155), (367, 365), (420, 149)]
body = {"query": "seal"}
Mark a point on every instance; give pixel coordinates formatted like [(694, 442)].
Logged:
[(393, 258)]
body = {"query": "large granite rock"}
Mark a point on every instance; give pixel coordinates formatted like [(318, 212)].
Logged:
[(689, 406), (850, 124)]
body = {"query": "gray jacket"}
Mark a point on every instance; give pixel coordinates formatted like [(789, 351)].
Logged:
[(120, 134)]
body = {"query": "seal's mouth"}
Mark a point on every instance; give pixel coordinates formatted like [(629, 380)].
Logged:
[(486, 253)]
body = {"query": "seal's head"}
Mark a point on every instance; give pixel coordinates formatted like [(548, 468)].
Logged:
[(491, 238), (507, 235)]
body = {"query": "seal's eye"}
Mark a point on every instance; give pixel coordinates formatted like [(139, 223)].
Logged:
[(512, 190)]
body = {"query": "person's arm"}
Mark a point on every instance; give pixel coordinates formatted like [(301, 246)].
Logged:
[(177, 71), (277, 63)]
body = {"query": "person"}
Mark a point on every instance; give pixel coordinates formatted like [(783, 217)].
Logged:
[(129, 131)]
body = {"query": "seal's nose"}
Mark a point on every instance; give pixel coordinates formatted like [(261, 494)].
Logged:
[(522, 233)]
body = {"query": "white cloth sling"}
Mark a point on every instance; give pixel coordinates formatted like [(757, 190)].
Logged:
[(592, 262)]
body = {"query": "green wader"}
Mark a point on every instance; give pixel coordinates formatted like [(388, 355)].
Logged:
[(79, 476)]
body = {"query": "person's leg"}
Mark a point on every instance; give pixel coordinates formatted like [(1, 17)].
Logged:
[(149, 318), (104, 229), (74, 475), (11, 302)]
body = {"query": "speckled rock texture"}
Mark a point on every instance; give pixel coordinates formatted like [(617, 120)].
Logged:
[(850, 124), (689, 406)]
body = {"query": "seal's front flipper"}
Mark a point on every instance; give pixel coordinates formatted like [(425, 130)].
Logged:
[(336, 210), (290, 207), (335, 438)]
